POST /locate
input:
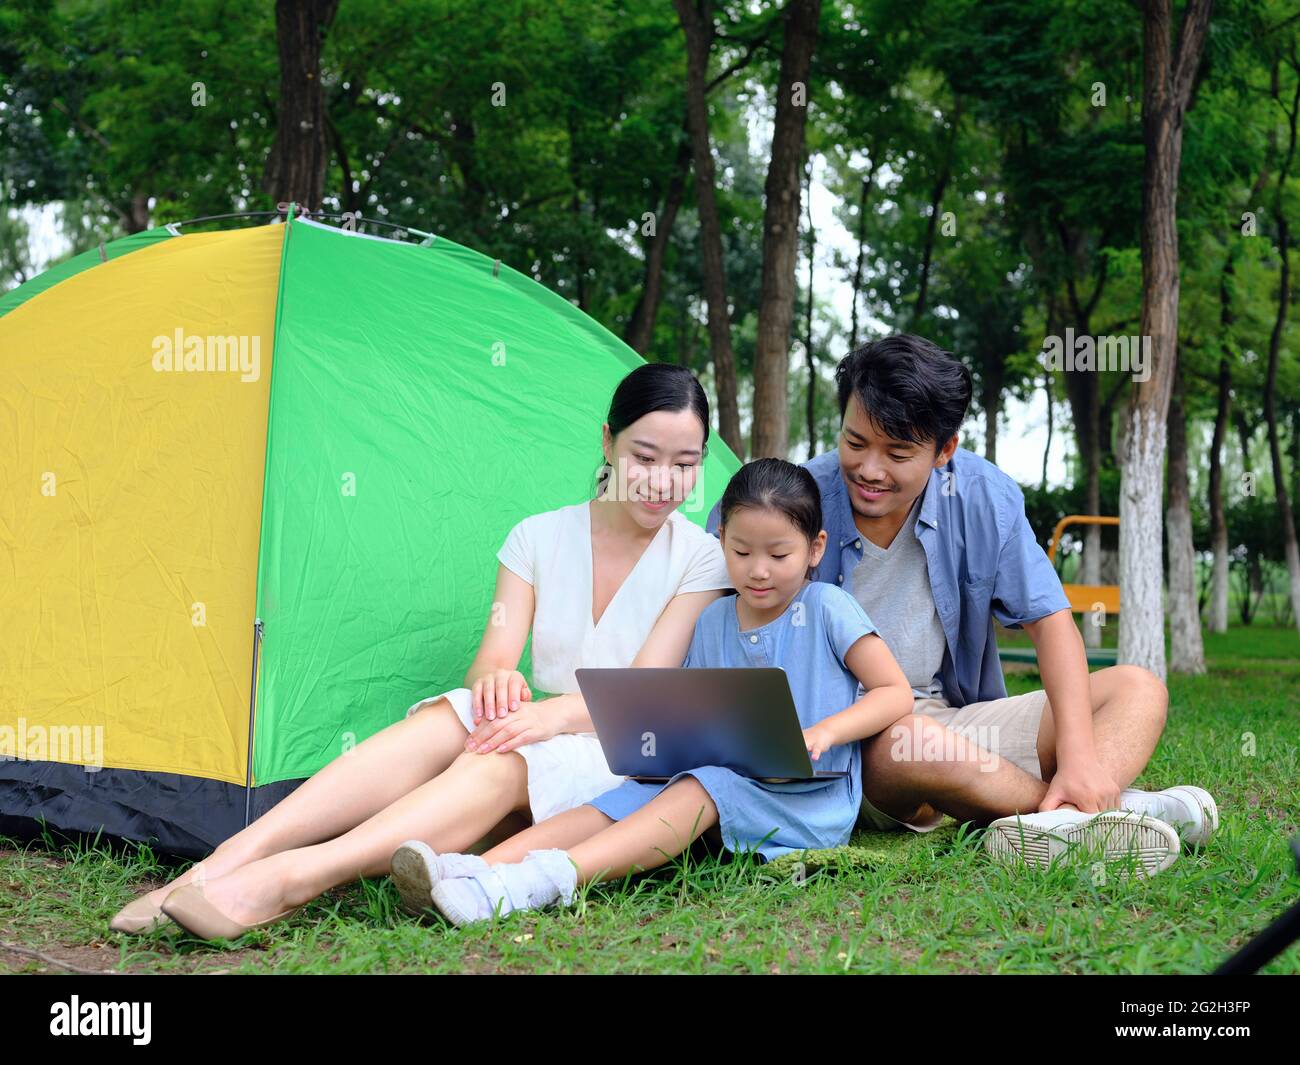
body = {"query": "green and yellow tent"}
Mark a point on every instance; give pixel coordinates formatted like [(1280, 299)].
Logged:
[(253, 486)]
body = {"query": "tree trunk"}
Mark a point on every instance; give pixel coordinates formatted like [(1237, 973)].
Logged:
[(641, 326), (1218, 518), (771, 430), (1285, 516), (1047, 448), (862, 253), (1254, 587), (1245, 435), (1052, 322), (139, 220), (1284, 513), (1295, 452), (936, 201), (575, 208), (808, 328), (698, 28), (295, 169), (1186, 650), (991, 403), (1085, 406), (1168, 76)]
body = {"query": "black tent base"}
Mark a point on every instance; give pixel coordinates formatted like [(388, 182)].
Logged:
[(174, 814)]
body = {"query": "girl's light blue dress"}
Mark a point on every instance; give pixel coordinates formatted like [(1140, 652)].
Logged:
[(809, 641)]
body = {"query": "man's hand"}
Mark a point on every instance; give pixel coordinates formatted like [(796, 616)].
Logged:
[(531, 723), (818, 739), (498, 692), (1085, 785)]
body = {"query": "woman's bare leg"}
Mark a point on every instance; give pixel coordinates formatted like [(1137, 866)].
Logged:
[(353, 787), (451, 812)]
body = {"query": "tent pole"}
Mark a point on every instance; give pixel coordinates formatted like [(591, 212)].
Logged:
[(252, 704)]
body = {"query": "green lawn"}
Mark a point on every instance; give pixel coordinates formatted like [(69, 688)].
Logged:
[(906, 904)]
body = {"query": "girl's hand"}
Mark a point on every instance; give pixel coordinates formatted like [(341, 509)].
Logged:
[(529, 724), (819, 740), (498, 692)]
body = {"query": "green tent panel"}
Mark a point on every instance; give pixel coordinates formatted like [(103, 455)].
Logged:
[(421, 401)]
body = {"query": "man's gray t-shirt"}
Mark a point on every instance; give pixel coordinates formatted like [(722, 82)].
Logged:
[(893, 586)]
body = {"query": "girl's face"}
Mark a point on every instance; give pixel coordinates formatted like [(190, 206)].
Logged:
[(656, 461), (767, 555)]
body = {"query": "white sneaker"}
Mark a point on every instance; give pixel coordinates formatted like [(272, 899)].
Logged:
[(416, 867), (1071, 836), (1190, 810), (542, 879)]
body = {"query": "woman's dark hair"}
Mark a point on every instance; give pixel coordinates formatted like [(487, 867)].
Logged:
[(652, 387), (910, 387), (774, 484)]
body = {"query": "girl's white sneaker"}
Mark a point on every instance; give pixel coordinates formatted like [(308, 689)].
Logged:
[(416, 868), (1189, 809), (542, 879), (1070, 836)]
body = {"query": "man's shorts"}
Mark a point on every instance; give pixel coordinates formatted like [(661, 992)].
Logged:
[(1006, 727)]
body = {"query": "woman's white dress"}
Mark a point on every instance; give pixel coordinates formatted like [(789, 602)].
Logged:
[(552, 551)]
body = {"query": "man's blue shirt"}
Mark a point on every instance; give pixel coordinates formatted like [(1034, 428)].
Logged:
[(983, 560)]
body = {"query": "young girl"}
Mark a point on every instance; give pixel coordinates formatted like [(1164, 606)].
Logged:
[(771, 536)]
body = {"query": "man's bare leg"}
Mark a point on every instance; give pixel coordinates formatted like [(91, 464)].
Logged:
[(1129, 711), (974, 785)]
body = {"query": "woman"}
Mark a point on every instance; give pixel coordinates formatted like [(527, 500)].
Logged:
[(618, 580)]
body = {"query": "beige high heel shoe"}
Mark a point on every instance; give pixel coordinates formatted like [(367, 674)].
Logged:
[(139, 917), (190, 909)]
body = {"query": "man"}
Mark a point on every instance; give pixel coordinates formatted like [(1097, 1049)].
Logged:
[(933, 541)]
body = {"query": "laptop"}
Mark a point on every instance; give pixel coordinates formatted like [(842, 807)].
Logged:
[(655, 723)]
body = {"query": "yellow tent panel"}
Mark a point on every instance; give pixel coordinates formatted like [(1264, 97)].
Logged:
[(133, 414)]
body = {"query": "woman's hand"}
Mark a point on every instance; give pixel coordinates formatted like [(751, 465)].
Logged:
[(531, 723), (497, 692), (819, 740)]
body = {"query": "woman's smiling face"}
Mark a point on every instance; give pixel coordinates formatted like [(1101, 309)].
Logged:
[(655, 463)]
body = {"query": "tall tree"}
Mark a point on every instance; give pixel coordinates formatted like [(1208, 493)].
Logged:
[(810, 409), (1186, 648), (295, 169), (1218, 618), (697, 24), (641, 326), (771, 430), (862, 252), (1169, 74), (1280, 493)]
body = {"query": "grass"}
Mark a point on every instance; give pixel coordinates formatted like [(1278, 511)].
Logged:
[(890, 903)]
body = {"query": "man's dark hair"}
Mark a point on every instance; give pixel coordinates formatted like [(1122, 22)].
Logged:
[(910, 387)]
